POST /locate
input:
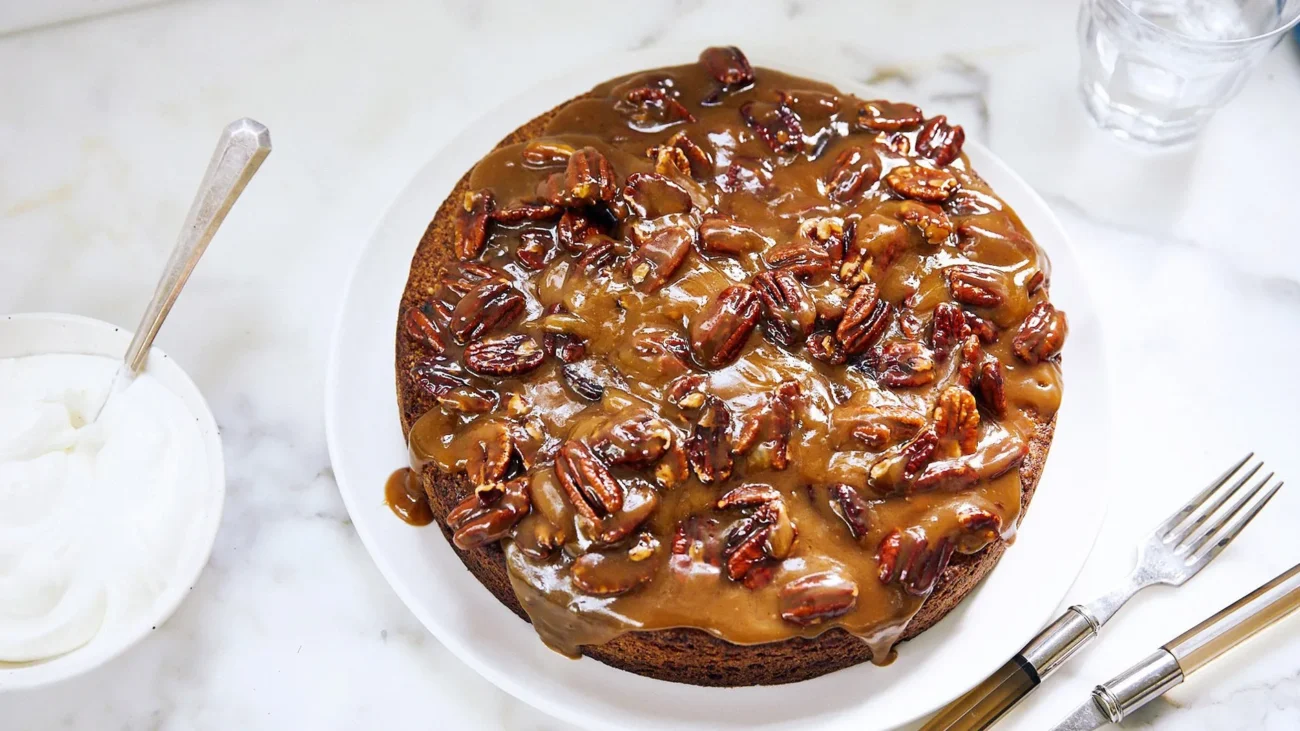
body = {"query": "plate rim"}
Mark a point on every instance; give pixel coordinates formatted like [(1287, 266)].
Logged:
[(517, 106)]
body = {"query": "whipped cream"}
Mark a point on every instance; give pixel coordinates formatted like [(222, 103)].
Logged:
[(93, 518)]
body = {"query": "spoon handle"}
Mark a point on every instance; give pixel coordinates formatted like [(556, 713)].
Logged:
[(244, 144)]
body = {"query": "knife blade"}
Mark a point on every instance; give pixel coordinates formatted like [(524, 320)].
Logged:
[(1086, 717)]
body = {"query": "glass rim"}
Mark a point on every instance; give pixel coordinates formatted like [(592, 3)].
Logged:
[(1225, 42)]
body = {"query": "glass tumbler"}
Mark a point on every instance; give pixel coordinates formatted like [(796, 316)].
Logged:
[(1157, 70)]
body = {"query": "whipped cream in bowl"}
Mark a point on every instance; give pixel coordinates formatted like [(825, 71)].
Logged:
[(104, 526)]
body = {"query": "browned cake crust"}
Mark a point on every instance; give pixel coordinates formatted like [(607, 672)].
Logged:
[(680, 655)]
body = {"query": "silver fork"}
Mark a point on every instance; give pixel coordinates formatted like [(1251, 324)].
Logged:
[(1174, 552)]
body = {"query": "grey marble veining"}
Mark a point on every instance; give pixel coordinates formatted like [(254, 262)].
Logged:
[(106, 126)]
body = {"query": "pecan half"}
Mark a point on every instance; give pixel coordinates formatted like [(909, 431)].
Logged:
[(815, 598), (652, 108), (451, 387), (887, 116), (695, 539), (979, 528), (721, 234), (458, 279), (922, 184), (638, 504), (587, 378), (940, 141), (876, 426), (909, 559), (573, 231), (489, 447), (686, 392), (536, 249), (477, 523), (876, 242), (986, 331), (823, 346), (601, 251), (800, 255), (854, 170), (655, 261), (956, 416), (755, 540), (866, 317), (894, 472), (1041, 335), (490, 306), (975, 285), (471, 222), (992, 387), (651, 195), (768, 426), (591, 488), (658, 353), (930, 220), (511, 355), (728, 66), (852, 508), (635, 436), (961, 472), (901, 364), (720, 332), (776, 125), (610, 574), (679, 155), (588, 178), (748, 496), (423, 328), (709, 447), (789, 312), (948, 328), (521, 211)]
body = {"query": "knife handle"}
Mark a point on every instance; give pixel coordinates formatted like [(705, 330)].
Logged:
[(1000, 692), (1237, 622)]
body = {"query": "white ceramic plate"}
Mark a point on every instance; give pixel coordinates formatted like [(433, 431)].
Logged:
[(35, 334), (1017, 599)]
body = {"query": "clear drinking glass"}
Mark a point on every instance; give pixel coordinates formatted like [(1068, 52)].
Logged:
[(1157, 70)]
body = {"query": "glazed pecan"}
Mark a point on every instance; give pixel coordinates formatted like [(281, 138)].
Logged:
[(536, 249), (809, 104), (961, 472), (609, 574), (565, 347), (768, 426), (635, 437), (940, 141), (545, 154), (490, 306), (975, 285), (855, 169), (922, 184), (876, 426), (488, 446), (804, 257), (971, 357), (423, 328), (719, 333), (823, 346), (587, 378), (601, 252), (651, 195), (852, 508), (956, 416), (748, 496), (910, 559), (866, 317), (898, 143), (789, 312), (930, 220), (1041, 335), (720, 234), (449, 384), (522, 211), (894, 472), (709, 447), (511, 355), (681, 156), (471, 222), (728, 66), (746, 174), (986, 331), (949, 327), (660, 353), (887, 116), (477, 522), (652, 108), (746, 549), (458, 279), (776, 125), (687, 392), (588, 178), (992, 387), (902, 363), (639, 503), (591, 488), (696, 539), (538, 537), (573, 231), (655, 261), (1035, 282), (815, 598), (876, 242), (979, 528)]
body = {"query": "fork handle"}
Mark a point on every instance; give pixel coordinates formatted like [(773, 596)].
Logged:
[(1000, 692)]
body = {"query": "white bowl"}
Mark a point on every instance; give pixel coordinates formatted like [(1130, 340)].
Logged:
[(41, 333), (990, 625)]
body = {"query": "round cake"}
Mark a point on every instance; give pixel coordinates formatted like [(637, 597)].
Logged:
[(722, 376)]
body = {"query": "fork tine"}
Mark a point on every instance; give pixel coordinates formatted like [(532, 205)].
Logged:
[(1191, 506), (1226, 528), (1206, 512)]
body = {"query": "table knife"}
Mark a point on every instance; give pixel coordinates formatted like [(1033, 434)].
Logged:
[(1111, 702)]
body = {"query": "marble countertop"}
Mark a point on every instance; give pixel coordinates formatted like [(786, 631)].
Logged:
[(107, 124)]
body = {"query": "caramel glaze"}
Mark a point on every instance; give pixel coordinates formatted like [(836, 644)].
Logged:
[(774, 194), (405, 496)]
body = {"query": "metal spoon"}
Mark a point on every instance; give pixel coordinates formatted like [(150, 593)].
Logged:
[(243, 145)]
